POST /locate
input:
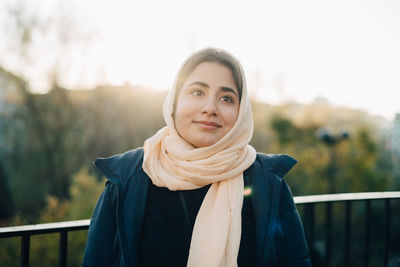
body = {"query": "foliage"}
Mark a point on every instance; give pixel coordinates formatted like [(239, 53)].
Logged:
[(348, 165), (54, 135)]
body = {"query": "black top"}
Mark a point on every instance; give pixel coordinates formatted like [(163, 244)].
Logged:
[(168, 226)]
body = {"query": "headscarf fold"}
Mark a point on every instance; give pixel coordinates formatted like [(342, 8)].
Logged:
[(170, 161)]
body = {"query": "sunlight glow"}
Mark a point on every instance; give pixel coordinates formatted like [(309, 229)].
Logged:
[(346, 52), (247, 191)]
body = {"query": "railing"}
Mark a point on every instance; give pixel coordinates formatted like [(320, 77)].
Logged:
[(309, 203), (306, 203), (26, 231)]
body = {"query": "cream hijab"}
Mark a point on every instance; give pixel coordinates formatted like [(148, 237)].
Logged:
[(170, 161)]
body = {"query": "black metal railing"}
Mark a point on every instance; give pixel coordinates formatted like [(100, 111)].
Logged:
[(26, 231), (323, 255), (306, 205)]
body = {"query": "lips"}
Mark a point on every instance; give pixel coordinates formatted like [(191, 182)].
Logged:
[(208, 124)]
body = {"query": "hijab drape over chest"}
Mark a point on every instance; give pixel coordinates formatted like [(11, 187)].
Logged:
[(170, 161)]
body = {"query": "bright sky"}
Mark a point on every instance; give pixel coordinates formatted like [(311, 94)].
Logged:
[(347, 51)]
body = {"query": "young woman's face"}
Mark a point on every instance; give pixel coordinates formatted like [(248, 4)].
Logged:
[(207, 105)]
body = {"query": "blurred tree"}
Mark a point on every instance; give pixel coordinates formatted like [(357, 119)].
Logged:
[(357, 164), (38, 47), (359, 168), (284, 129)]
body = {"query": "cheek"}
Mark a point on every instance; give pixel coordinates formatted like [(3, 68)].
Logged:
[(182, 114), (230, 116), (186, 106), (181, 111)]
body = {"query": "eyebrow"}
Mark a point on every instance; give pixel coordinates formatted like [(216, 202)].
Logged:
[(228, 89), (223, 88)]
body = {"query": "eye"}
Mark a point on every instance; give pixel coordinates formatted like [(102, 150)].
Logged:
[(227, 98), (197, 92)]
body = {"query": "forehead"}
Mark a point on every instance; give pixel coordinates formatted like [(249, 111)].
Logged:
[(213, 74)]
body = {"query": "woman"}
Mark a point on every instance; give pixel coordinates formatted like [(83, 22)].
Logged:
[(198, 194)]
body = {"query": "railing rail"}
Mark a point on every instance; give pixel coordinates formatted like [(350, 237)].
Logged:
[(346, 197), (26, 231), (44, 228)]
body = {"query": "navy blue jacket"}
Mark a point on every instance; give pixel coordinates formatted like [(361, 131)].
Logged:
[(116, 223)]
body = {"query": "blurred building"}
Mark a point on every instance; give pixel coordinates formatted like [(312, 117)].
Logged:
[(395, 145), (396, 135)]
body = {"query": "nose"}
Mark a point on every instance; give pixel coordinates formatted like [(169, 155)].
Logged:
[(210, 107)]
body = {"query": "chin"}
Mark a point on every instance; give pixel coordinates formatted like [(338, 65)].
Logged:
[(204, 143)]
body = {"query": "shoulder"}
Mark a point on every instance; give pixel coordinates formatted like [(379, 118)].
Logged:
[(279, 164), (119, 168)]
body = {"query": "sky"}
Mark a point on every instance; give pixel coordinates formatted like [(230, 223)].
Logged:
[(347, 51)]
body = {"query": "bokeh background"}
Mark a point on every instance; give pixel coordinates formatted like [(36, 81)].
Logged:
[(86, 79)]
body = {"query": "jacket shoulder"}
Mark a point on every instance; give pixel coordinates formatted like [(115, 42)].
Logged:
[(121, 167), (280, 164)]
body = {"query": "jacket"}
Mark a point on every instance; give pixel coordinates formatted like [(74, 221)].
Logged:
[(115, 227)]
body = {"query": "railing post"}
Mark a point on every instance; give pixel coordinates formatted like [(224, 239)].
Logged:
[(348, 232), (309, 229), (387, 232), (25, 243), (63, 247), (367, 231), (328, 223)]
